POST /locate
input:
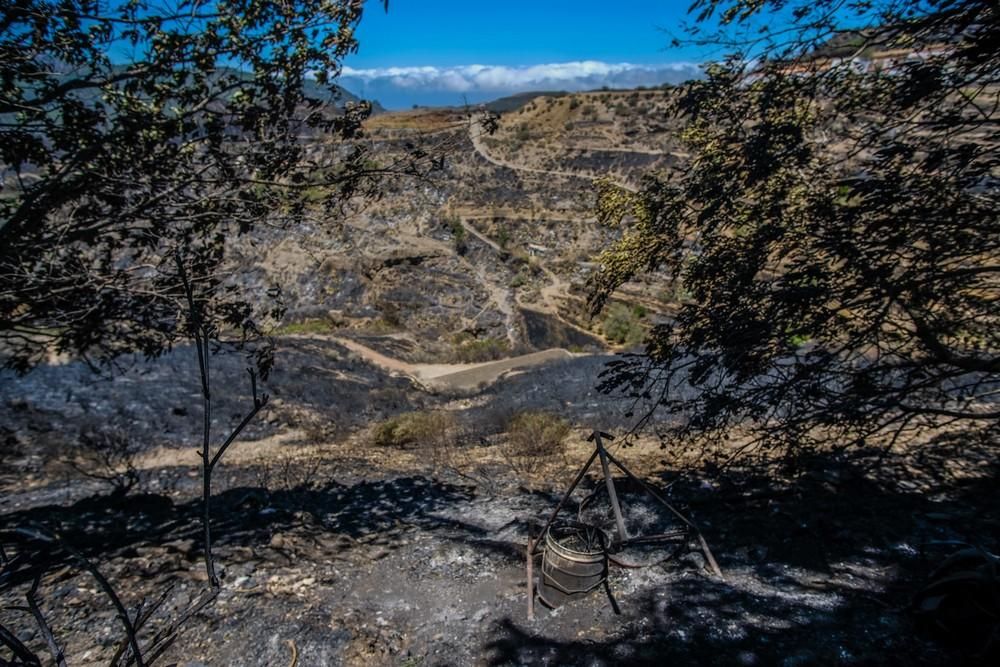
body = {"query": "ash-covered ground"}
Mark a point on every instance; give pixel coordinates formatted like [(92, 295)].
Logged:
[(337, 550)]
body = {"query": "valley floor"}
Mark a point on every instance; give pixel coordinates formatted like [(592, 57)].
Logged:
[(338, 551)]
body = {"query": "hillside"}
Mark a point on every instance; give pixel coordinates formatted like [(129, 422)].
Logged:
[(432, 395), (516, 101), (489, 259)]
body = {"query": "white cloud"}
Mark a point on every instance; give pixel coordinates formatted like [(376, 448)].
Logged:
[(502, 80)]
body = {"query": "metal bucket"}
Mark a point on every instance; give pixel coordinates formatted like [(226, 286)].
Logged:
[(574, 562)]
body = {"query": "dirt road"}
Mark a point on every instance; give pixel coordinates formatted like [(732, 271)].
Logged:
[(476, 135), (456, 377)]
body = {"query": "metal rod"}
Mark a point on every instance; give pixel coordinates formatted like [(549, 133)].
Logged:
[(572, 487), (648, 539), (708, 555), (611, 597), (619, 519), (531, 582), (701, 539)]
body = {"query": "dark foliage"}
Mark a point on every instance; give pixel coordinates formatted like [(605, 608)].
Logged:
[(836, 229), (138, 140)]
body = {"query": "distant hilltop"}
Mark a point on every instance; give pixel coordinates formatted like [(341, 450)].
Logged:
[(342, 96), (339, 97)]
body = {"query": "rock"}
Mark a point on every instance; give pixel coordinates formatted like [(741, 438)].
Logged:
[(62, 591), (107, 637), (183, 547), (305, 518), (150, 552), (694, 559)]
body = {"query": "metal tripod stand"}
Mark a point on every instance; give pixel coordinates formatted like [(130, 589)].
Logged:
[(598, 437)]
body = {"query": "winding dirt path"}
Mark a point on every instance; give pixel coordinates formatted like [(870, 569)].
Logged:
[(586, 148), (583, 148), (501, 295), (479, 235), (476, 135), (553, 291), (456, 377)]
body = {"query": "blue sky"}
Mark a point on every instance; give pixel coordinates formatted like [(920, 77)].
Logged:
[(426, 51)]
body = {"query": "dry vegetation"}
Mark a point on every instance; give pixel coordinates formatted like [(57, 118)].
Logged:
[(368, 521), (423, 120)]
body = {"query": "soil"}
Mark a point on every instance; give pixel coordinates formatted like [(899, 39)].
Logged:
[(333, 551)]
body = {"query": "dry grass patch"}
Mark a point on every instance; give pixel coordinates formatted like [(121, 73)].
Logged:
[(414, 429), (533, 439), (420, 119)]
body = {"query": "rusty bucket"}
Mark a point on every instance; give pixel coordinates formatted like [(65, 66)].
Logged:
[(574, 562)]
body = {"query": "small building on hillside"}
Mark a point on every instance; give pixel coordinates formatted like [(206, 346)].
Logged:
[(535, 250)]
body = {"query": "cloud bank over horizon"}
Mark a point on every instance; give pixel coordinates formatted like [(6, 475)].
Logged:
[(402, 87)]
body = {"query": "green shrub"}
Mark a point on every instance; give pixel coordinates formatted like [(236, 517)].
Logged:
[(454, 225), (532, 437), (799, 339), (458, 234), (481, 349), (414, 429), (385, 433), (623, 325), (306, 326)]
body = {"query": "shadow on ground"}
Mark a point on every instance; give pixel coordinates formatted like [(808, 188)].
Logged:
[(822, 559), (821, 568), (100, 527)]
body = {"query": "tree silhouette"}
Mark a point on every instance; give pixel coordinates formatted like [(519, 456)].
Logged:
[(138, 142), (139, 139), (835, 231)]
